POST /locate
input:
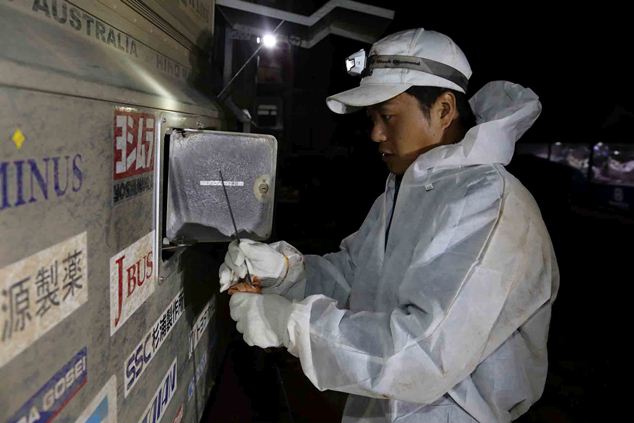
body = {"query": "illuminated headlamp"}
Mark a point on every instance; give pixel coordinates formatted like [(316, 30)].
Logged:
[(355, 63), (358, 64)]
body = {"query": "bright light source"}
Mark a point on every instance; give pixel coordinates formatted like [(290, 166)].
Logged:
[(259, 40), (269, 40), (349, 64)]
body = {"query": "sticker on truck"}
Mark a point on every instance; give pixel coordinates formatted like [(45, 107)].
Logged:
[(132, 276), (103, 408), (133, 164), (164, 394), (38, 292), (146, 350), (200, 326), (53, 396)]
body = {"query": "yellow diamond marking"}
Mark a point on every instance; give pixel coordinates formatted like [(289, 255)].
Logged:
[(18, 138)]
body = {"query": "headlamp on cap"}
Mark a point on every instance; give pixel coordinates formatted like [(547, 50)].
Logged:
[(358, 64), (355, 63)]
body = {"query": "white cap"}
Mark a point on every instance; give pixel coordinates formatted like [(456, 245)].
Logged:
[(441, 64)]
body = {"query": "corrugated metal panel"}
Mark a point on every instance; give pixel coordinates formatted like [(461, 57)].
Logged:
[(70, 50), (186, 21)]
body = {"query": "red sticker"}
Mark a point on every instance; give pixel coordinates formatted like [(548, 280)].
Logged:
[(133, 143)]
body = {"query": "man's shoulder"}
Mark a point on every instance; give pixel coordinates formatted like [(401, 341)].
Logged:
[(482, 177)]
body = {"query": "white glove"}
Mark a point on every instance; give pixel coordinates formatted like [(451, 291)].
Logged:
[(277, 266), (262, 319)]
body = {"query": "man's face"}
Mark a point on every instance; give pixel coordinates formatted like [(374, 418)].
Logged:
[(402, 131)]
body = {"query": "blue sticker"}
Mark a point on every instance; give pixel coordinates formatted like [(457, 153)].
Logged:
[(100, 414), (51, 398), (198, 375)]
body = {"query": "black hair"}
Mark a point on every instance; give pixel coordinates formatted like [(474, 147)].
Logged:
[(426, 97)]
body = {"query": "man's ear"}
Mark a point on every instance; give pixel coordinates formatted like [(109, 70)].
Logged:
[(445, 109)]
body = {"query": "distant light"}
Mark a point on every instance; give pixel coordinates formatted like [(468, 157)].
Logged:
[(617, 152), (259, 40), (269, 40), (557, 143)]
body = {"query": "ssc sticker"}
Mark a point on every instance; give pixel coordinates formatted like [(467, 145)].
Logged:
[(132, 278), (53, 396), (40, 291), (103, 408), (147, 348)]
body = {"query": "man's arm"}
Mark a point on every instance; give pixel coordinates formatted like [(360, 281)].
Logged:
[(418, 351), (332, 274)]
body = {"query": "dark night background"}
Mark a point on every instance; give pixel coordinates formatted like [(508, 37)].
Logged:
[(576, 58)]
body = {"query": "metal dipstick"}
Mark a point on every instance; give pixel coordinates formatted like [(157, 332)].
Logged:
[(233, 220)]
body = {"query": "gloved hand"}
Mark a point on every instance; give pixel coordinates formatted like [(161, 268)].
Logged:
[(277, 266), (262, 319)]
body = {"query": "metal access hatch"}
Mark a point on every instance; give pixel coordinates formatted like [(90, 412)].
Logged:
[(197, 209)]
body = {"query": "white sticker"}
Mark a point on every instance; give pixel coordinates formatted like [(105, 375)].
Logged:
[(198, 376), (132, 278), (40, 291), (147, 348), (103, 408), (162, 397), (219, 183), (198, 329)]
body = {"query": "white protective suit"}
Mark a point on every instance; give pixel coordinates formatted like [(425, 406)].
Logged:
[(449, 321)]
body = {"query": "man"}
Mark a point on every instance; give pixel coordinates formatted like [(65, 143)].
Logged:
[(437, 309)]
